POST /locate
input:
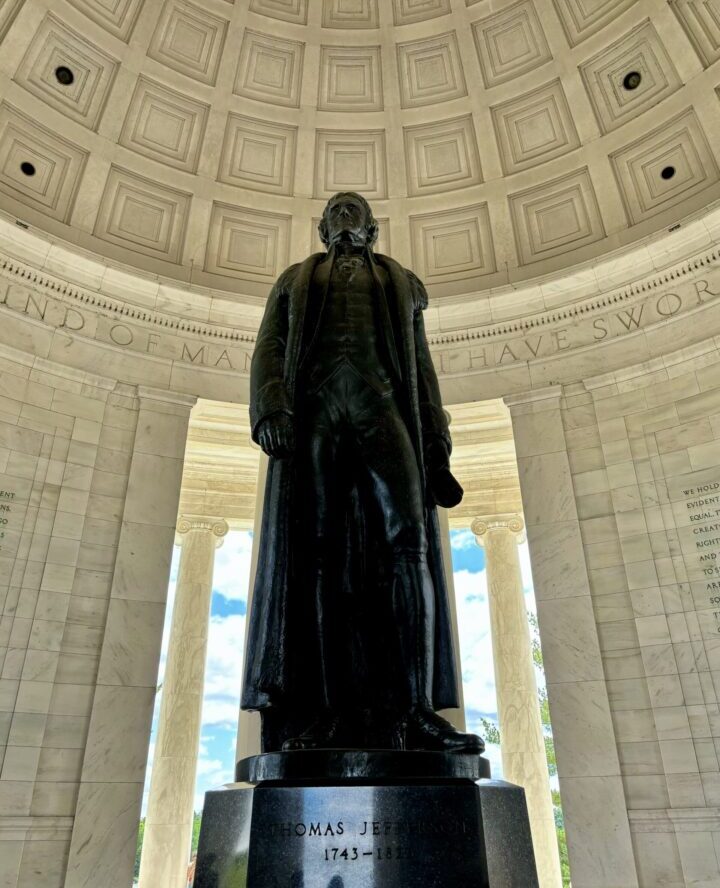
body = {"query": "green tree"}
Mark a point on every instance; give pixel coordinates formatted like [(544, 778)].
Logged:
[(491, 731), (138, 853), (197, 817)]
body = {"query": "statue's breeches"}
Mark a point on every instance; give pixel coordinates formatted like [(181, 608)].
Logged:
[(355, 458)]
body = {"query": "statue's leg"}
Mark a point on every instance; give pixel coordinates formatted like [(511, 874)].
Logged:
[(319, 506), (395, 484)]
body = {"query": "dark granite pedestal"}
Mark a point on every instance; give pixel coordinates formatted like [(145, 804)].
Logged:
[(348, 819)]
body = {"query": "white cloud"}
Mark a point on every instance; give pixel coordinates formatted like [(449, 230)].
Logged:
[(232, 566), (208, 766), (220, 712), (223, 669), (462, 539), (478, 674), (492, 754), (211, 775)]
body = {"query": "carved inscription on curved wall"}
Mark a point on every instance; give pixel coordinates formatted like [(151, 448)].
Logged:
[(14, 494), (505, 345), (469, 348), (695, 498)]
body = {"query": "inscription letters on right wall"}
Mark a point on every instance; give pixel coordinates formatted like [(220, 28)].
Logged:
[(696, 504)]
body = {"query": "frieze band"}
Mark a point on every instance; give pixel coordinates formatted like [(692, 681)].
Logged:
[(483, 348)]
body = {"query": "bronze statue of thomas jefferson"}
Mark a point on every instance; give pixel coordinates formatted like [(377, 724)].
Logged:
[(349, 640)]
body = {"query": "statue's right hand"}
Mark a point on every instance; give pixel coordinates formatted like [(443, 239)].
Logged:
[(276, 435)]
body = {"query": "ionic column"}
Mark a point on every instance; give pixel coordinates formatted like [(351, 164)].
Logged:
[(168, 825), (522, 744)]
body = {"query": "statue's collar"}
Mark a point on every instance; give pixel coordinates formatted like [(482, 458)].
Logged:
[(338, 250)]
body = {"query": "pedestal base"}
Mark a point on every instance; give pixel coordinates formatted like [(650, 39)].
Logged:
[(407, 833)]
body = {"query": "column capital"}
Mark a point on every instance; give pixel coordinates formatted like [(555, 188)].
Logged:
[(513, 523), (166, 396), (216, 527)]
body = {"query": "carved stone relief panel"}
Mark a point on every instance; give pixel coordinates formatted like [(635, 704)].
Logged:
[(665, 167), (534, 128), (258, 155), (270, 69), (165, 125), (453, 244), (247, 243), (606, 77), (54, 46), (430, 71), (37, 166), (555, 217), (189, 39), (351, 161), (143, 215)]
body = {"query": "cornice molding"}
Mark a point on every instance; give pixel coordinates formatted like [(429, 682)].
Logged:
[(11, 267), (589, 306), (70, 293)]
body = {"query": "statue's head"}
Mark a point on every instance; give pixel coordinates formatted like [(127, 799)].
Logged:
[(348, 217)]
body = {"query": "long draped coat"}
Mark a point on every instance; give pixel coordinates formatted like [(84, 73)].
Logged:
[(278, 646)]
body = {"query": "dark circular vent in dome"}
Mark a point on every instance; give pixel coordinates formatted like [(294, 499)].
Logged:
[(632, 80), (64, 75), (668, 172), (27, 168)]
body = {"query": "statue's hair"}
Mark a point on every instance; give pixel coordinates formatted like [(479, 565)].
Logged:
[(372, 230)]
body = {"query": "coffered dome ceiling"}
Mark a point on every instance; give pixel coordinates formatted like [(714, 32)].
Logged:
[(198, 140)]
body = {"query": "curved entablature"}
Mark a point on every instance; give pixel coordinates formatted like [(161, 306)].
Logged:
[(199, 139), (64, 306)]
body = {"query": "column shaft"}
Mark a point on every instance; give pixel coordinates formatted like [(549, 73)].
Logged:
[(168, 826), (522, 743)]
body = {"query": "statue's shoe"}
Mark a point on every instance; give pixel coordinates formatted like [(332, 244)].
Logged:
[(429, 731), (325, 733)]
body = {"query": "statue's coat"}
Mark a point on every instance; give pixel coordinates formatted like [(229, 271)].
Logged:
[(274, 673)]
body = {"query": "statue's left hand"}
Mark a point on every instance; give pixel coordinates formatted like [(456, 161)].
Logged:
[(276, 435)]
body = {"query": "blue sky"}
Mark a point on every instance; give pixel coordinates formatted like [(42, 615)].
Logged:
[(216, 762)]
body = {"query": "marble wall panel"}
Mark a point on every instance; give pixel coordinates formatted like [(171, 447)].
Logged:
[(53, 628), (130, 651), (79, 456), (596, 805), (655, 605), (584, 730)]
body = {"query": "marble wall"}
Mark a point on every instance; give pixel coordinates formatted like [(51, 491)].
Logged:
[(89, 478), (621, 485)]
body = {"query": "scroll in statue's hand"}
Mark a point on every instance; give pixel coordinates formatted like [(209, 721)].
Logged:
[(276, 435), (444, 488)]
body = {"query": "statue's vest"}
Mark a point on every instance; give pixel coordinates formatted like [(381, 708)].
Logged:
[(349, 330)]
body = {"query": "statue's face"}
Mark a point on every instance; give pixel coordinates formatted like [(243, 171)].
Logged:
[(346, 219)]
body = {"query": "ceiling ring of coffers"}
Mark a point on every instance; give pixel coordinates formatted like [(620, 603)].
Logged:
[(467, 80)]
